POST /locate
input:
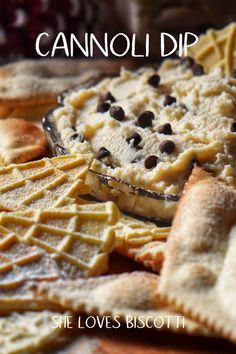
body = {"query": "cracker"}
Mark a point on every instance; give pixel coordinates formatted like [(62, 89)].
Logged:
[(20, 141), (28, 332), (127, 294), (44, 183), (39, 82), (80, 237), (198, 275)]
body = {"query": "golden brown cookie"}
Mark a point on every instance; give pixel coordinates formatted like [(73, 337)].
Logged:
[(20, 141)]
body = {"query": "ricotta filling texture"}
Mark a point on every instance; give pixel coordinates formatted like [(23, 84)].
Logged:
[(201, 113)]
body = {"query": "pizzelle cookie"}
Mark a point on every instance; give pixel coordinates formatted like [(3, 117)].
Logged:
[(216, 48), (79, 238), (21, 264), (198, 275), (146, 130), (44, 183), (126, 295), (20, 141), (28, 332)]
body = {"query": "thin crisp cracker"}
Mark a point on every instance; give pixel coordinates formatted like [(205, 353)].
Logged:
[(128, 295), (198, 276)]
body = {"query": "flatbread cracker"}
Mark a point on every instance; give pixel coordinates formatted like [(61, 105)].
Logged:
[(20, 141), (198, 275), (80, 237), (39, 82), (28, 332), (127, 294), (44, 183)]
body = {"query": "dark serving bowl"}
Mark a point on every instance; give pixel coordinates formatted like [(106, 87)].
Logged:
[(129, 198)]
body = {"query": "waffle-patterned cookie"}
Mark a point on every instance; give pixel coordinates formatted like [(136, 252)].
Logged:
[(20, 264), (45, 183), (26, 333), (79, 237), (216, 48)]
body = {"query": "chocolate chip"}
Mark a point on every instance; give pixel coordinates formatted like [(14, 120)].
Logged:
[(165, 129), (154, 80), (103, 107), (102, 152), (108, 97), (169, 100), (136, 139), (167, 146), (77, 136), (117, 113), (151, 161), (197, 69), (233, 74), (145, 119), (188, 61), (233, 127)]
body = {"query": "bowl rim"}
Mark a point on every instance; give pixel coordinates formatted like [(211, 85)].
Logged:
[(57, 148), (52, 135)]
